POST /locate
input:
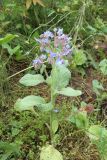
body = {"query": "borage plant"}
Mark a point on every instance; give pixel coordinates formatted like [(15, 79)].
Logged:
[(56, 47)]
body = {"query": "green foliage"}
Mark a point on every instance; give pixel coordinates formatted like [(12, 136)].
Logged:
[(69, 92), (8, 38), (98, 136), (79, 118), (10, 50), (45, 107), (103, 66), (79, 57), (97, 86), (28, 102), (54, 125), (50, 153), (59, 78), (31, 80), (9, 149)]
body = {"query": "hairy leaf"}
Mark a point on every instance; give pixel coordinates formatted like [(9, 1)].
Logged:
[(45, 107), (69, 92), (50, 153), (103, 66), (97, 86), (31, 80), (28, 102), (59, 78)]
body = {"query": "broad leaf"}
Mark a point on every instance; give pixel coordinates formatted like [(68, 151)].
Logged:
[(97, 86), (28, 102), (79, 57), (50, 153), (32, 80), (98, 136), (103, 66), (59, 78), (80, 119), (69, 92), (9, 149), (96, 132), (7, 38), (45, 107)]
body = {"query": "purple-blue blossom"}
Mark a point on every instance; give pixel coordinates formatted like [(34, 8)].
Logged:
[(37, 61), (59, 61), (48, 34), (56, 110), (52, 54), (55, 47)]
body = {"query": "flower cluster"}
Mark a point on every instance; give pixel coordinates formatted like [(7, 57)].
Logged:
[(55, 45)]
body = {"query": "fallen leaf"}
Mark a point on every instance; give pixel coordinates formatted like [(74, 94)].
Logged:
[(39, 2)]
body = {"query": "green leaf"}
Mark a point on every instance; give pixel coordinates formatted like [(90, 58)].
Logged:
[(42, 68), (69, 92), (9, 149), (103, 66), (80, 119), (104, 29), (98, 136), (28, 102), (10, 50), (45, 107), (97, 86), (79, 57), (50, 153), (96, 132), (32, 80), (59, 78), (54, 125), (7, 38)]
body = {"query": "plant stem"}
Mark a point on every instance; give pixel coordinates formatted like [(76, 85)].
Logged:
[(51, 116)]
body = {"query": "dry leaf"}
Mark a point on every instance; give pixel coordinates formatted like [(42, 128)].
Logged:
[(39, 2), (28, 3)]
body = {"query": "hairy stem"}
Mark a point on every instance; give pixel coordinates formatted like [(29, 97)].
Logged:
[(51, 115)]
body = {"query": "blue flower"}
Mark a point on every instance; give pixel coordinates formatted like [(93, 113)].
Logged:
[(37, 61), (53, 55), (57, 45), (48, 34), (59, 61), (44, 41), (56, 110), (67, 46)]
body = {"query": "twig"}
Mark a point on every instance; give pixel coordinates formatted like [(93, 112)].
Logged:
[(19, 72)]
